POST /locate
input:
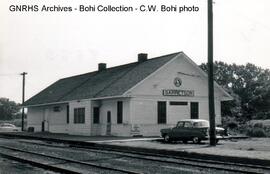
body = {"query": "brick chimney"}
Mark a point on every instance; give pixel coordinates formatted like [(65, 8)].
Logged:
[(142, 57), (101, 66)]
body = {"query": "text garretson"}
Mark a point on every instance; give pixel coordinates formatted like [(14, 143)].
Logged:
[(105, 8)]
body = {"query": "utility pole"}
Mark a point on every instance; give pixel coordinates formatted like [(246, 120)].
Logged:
[(211, 99), (23, 89)]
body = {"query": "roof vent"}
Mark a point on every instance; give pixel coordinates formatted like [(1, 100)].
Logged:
[(101, 66), (142, 57)]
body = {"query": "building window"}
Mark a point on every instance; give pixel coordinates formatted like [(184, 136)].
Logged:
[(194, 110), (96, 115), (162, 113), (119, 112), (178, 103), (67, 114), (79, 115)]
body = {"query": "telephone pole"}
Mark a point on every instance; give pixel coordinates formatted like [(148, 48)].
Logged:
[(23, 89), (211, 99)]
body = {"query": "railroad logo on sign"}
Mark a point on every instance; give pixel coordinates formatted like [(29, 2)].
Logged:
[(177, 82)]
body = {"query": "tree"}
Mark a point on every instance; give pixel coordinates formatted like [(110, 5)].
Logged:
[(8, 109), (250, 87)]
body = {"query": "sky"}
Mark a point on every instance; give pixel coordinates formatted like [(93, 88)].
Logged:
[(53, 45)]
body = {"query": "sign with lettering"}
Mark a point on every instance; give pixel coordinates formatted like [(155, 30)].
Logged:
[(135, 129), (176, 92)]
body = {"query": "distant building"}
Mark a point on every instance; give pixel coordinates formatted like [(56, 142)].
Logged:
[(139, 98)]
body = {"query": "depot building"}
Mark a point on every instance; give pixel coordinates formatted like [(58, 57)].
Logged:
[(139, 98)]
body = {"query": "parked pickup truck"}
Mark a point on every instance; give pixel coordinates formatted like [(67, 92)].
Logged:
[(190, 130)]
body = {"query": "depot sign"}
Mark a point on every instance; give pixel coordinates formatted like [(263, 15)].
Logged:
[(176, 92)]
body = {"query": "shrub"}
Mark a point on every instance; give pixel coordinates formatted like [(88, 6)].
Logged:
[(256, 132), (232, 125), (258, 125), (262, 116)]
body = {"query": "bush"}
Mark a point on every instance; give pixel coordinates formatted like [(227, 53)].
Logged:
[(243, 128), (262, 116), (232, 125), (258, 125), (256, 132)]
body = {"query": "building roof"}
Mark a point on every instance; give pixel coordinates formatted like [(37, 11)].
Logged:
[(113, 81)]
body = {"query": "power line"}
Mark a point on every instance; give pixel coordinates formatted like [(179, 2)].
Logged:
[(186, 74), (9, 74)]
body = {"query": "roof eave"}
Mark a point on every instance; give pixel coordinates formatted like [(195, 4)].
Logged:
[(66, 102), (44, 104), (206, 76)]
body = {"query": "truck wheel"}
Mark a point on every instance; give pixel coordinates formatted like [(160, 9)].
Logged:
[(196, 140), (167, 138)]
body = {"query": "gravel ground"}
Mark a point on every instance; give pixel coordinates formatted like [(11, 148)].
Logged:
[(251, 148), (104, 159), (13, 167)]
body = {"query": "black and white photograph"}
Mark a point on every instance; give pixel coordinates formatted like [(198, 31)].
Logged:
[(138, 87)]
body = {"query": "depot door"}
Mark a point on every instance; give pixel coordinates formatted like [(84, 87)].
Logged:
[(108, 132), (45, 122)]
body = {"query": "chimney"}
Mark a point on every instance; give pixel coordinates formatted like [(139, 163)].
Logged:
[(101, 66), (142, 57)]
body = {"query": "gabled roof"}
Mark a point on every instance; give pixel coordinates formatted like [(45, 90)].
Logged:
[(113, 81)]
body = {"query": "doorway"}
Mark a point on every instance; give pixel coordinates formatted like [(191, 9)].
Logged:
[(162, 112), (45, 122)]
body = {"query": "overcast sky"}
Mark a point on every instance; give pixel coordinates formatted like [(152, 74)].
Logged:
[(53, 45)]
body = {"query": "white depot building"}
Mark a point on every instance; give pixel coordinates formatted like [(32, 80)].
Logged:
[(139, 98)]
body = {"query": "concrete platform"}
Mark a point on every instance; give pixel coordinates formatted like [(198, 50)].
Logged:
[(59, 136)]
